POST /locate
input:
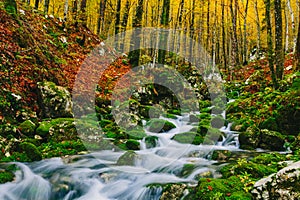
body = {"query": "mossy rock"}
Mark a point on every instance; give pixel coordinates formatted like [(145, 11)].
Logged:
[(149, 111), (188, 138), (213, 135), (205, 116), (128, 158), (174, 191), (193, 118), (160, 125), (151, 141), (221, 155), (240, 195), (6, 176), (27, 128), (187, 169), (174, 112), (170, 116), (249, 139), (218, 122), (243, 166), (137, 133), (132, 144), (31, 151), (271, 140), (270, 124), (43, 129)]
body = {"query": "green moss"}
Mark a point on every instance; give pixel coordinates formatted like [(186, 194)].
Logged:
[(6, 176), (138, 133), (151, 141), (189, 138), (160, 125), (43, 128), (31, 151), (187, 169), (132, 144), (242, 166), (27, 127)]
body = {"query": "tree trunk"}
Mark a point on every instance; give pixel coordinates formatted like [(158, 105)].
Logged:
[(245, 54), (164, 22), (134, 55), (36, 4), (118, 17), (258, 29), (224, 37), (46, 6), (270, 42), (290, 9), (83, 17), (100, 22), (297, 50), (66, 8), (235, 50), (279, 53)]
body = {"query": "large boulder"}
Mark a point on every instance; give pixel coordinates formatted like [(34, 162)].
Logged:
[(54, 101), (284, 184), (249, 139), (271, 140), (254, 138)]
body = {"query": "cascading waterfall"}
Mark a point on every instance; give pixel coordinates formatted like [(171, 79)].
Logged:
[(97, 176)]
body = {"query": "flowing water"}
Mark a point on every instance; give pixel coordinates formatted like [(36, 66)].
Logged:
[(96, 176)]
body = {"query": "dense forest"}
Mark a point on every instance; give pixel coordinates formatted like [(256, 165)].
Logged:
[(149, 99)]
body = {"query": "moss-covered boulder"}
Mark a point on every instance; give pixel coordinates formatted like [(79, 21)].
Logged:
[(250, 138), (160, 125), (128, 158), (151, 141), (188, 138), (6, 176), (221, 155), (54, 101), (242, 166), (132, 144), (31, 151), (27, 128), (43, 128), (271, 140), (209, 188)]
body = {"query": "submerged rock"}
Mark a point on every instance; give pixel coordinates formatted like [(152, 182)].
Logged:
[(54, 101), (285, 184)]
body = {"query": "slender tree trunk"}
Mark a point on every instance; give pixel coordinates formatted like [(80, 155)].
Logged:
[(66, 9), (100, 22), (224, 37), (297, 49), (270, 42), (290, 9), (245, 54), (134, 55), (83, 17), (118, 17), (46, 6), (286, 46), (164, 22), (234, 51), (36, 4), (279, 53), (208, 27), (258, 29)]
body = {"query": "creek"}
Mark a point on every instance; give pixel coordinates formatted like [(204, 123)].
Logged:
[(97, 176)]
